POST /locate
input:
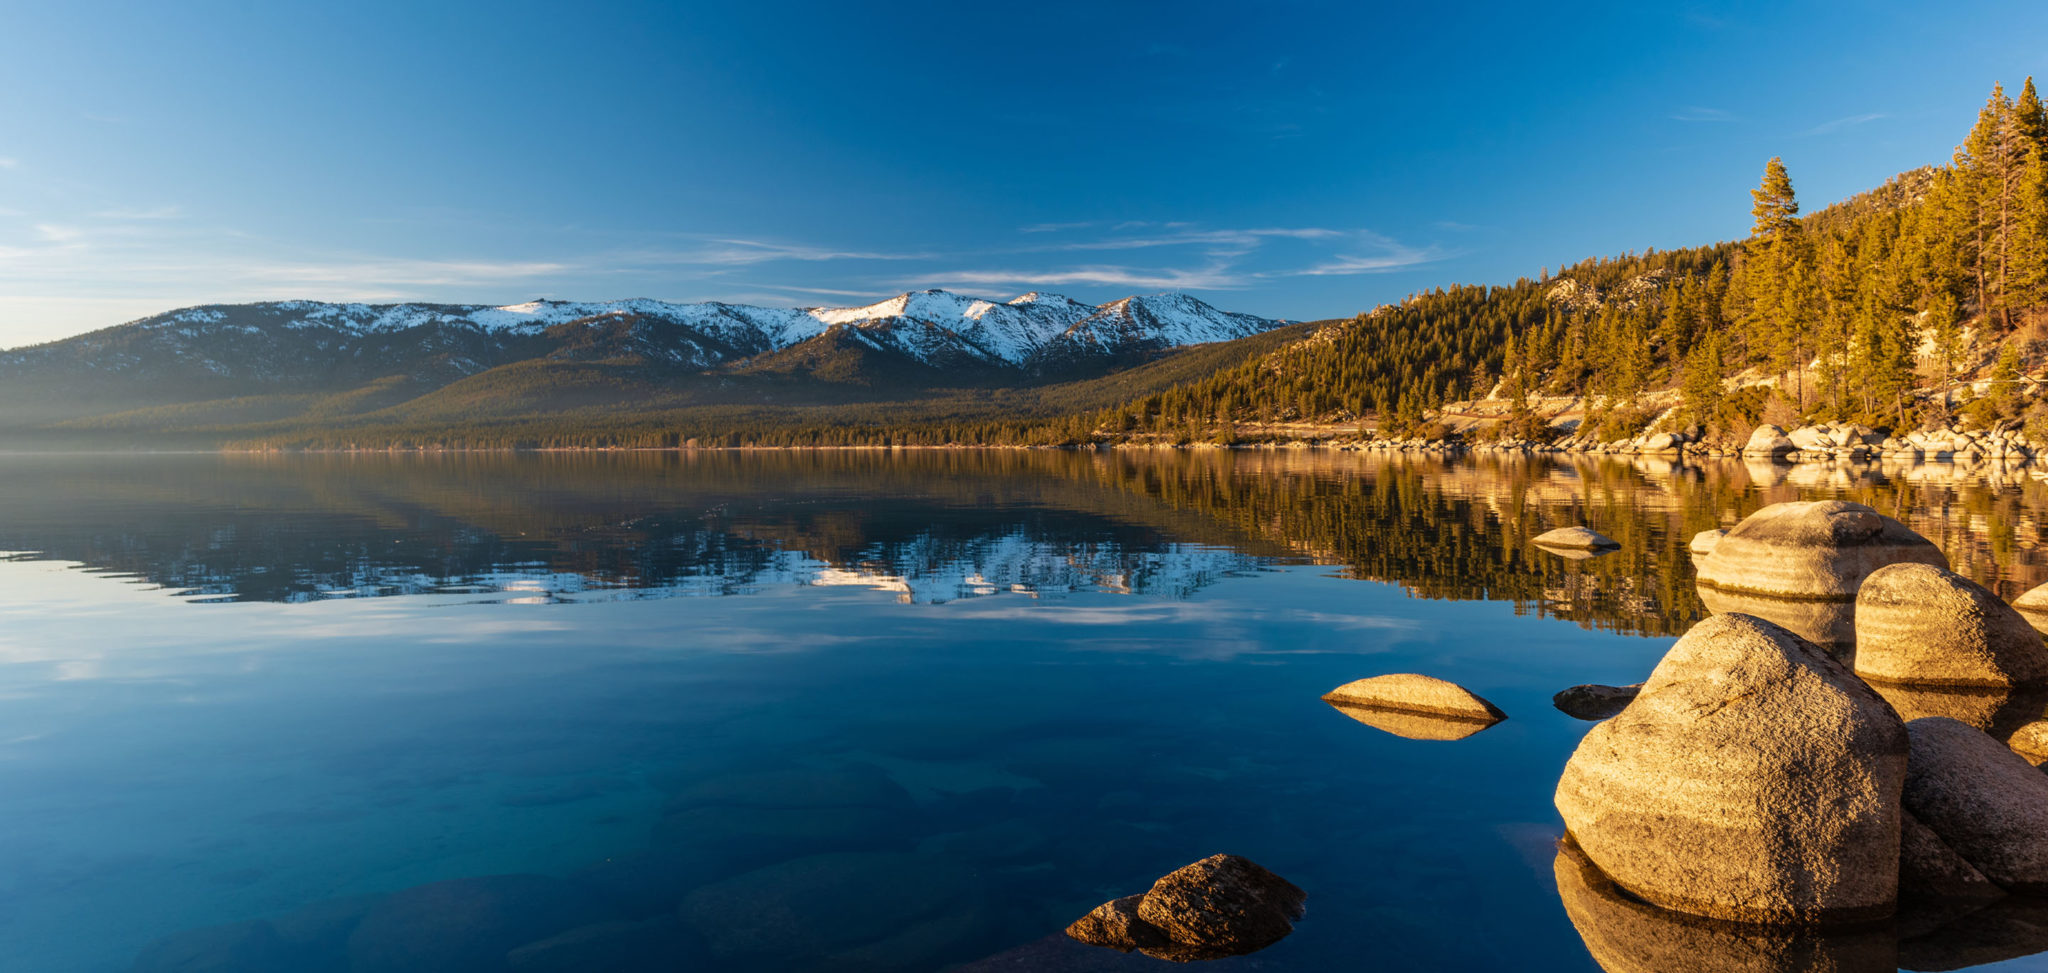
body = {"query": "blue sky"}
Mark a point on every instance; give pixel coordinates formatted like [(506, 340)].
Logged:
[(1296, 160)]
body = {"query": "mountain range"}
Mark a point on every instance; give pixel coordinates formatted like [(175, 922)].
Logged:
[(288, 359)]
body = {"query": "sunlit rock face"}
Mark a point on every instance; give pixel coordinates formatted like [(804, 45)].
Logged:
[(1928, 626), (1575, 539), (1753, 779), (1626, 935), (1415, 706), (1221, 906), (1821, 549)]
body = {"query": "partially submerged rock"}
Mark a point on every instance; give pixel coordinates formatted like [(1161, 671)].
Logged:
[(2030, 741), (1704, 542), (1595, 702), (1753, 779), (1984, 800), (1223, 902), (2033, 606), (1812, 549), (1223, 905), (1115, 925), (1413, 693), (1928, 626), (1575, 539)]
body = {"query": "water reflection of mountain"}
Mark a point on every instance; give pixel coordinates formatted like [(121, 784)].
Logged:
[(939, 525)]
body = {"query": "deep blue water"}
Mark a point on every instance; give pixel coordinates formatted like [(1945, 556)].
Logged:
[(822, 712)]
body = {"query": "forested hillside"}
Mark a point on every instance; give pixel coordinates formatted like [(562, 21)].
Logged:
[(1921, 302), (1876, 309)]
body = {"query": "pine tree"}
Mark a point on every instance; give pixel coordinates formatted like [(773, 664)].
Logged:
[(1776, 209), (2030, 117), (1942, 328)]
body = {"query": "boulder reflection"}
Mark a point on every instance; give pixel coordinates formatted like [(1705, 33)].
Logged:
[(1626, 935)]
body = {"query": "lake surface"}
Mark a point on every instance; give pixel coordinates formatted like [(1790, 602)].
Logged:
[(834, 711)]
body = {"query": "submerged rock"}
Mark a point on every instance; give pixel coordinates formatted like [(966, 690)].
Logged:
[(894, 910), (1753, 779), (1576, 539), (1819, 549), (1928, 626), (659, 945), (1984, 800), (1627, 935), (1595, 702), (467, 924), (239, 947), (1416, 694)]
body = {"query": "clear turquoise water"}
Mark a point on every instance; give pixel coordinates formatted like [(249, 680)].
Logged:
[(817, 713)]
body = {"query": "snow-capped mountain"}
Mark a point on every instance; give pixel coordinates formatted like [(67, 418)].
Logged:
[(290, 342)]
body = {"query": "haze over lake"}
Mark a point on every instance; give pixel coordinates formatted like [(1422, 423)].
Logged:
[(939, 703)]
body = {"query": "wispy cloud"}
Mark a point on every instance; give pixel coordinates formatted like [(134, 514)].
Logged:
[(1696, 113), (1056, 227), (1141, 278), (1238, 239), (1842, 123), (9, 162), (156, 213), (1388, 254), (738, 253)]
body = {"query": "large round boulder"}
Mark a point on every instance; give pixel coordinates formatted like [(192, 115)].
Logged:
[(1753, 779), (1768, 440), (1985, 801), (1819, 549), (1928, 626)]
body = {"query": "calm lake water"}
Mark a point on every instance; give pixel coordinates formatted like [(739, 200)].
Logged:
[(843, 711)]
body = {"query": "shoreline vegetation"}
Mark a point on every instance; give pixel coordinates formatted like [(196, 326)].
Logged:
[(1908, 320)]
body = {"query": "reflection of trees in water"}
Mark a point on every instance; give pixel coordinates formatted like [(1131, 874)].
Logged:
[(279, 527)]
